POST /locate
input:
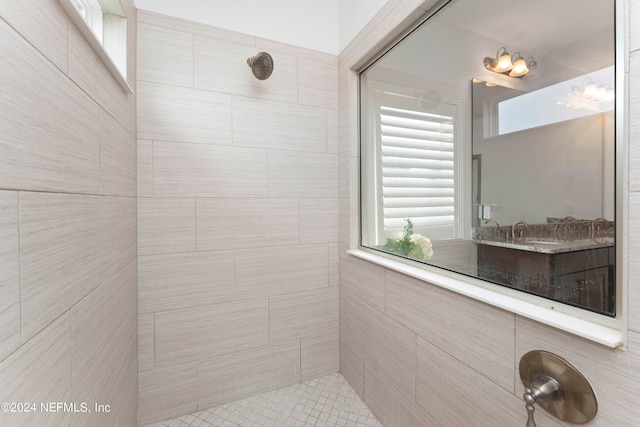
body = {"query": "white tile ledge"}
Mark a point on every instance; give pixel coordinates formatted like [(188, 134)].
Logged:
[(610, 336)]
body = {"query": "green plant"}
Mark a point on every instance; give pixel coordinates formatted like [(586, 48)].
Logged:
[(410, 244)]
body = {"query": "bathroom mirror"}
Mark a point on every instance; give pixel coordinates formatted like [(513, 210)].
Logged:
[(488, 147)]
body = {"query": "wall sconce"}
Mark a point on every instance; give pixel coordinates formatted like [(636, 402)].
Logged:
[(503, 63)]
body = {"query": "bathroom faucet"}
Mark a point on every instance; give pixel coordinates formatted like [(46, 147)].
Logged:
[(520, 224), (492, 221), (595, 226)]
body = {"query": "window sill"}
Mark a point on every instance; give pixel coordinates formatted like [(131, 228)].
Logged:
[(98, 46), (531, 307)]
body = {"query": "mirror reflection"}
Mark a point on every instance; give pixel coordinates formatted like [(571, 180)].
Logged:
[(488, 149)]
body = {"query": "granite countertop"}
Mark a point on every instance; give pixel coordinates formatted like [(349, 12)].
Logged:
[(549, 246)]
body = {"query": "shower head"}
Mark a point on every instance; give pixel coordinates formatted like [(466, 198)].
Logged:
[(261, 65)]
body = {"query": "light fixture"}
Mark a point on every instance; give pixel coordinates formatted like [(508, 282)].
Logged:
[(503, 63), (593, 91), (519, 66)]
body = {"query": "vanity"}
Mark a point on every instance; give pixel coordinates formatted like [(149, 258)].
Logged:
[(578, 271)]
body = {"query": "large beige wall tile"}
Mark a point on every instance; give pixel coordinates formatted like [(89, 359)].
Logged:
[(387, 343), (278, 125), (166, 226), (43, 23), (48, 154), (221, 66), (234, 223), (613, 374), (334, 264), (208, 331), (410, 414), (88, 71), (127, 230), (293, 174), (39, 371), (383, 397), (318, 82), (480, 336), (319, 356), (201, 170), (173, 23), (167, 392), (318, 220), (145, 168), (68, 246), (449, 391), (117, 158), (119, 387), (174, 281), (9, 274), (146, 342), (233, 376), (102, 331), (364, 280), (168, 113), (273, 271), (303, 314), (333, 131), (165, 56), (352, 366)]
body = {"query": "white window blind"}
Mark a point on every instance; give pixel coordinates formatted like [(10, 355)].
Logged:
[(418, 175)]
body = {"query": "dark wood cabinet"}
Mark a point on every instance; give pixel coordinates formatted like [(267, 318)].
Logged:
[(583, 278)]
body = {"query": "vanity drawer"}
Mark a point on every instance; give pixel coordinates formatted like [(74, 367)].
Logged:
[(571, 262), (589, 288)]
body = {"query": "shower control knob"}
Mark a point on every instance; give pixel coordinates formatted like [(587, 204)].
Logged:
[(557, 387), (544, 389), (530, 401)]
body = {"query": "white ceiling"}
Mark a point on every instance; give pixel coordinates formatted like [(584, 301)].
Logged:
[(526, 24)]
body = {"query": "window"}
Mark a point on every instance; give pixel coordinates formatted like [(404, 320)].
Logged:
[(591, 93), (417, 161), (410, 173), (104, 24), (458, 173)]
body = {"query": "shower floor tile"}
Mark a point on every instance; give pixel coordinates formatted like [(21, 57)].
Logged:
[(323, 402)]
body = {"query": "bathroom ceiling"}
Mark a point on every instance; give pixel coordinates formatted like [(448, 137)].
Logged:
[(522, 26)]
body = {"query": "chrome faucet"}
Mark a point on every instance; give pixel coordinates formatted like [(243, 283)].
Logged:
[(492, 221), (520, 224), (595, 226)]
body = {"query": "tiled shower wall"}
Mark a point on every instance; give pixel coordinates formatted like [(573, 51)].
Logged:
[(237, 217), (67, 221), (420, 355)]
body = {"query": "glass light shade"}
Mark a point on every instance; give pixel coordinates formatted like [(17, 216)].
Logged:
[(519, 68), (504, 63), (590, 90)]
